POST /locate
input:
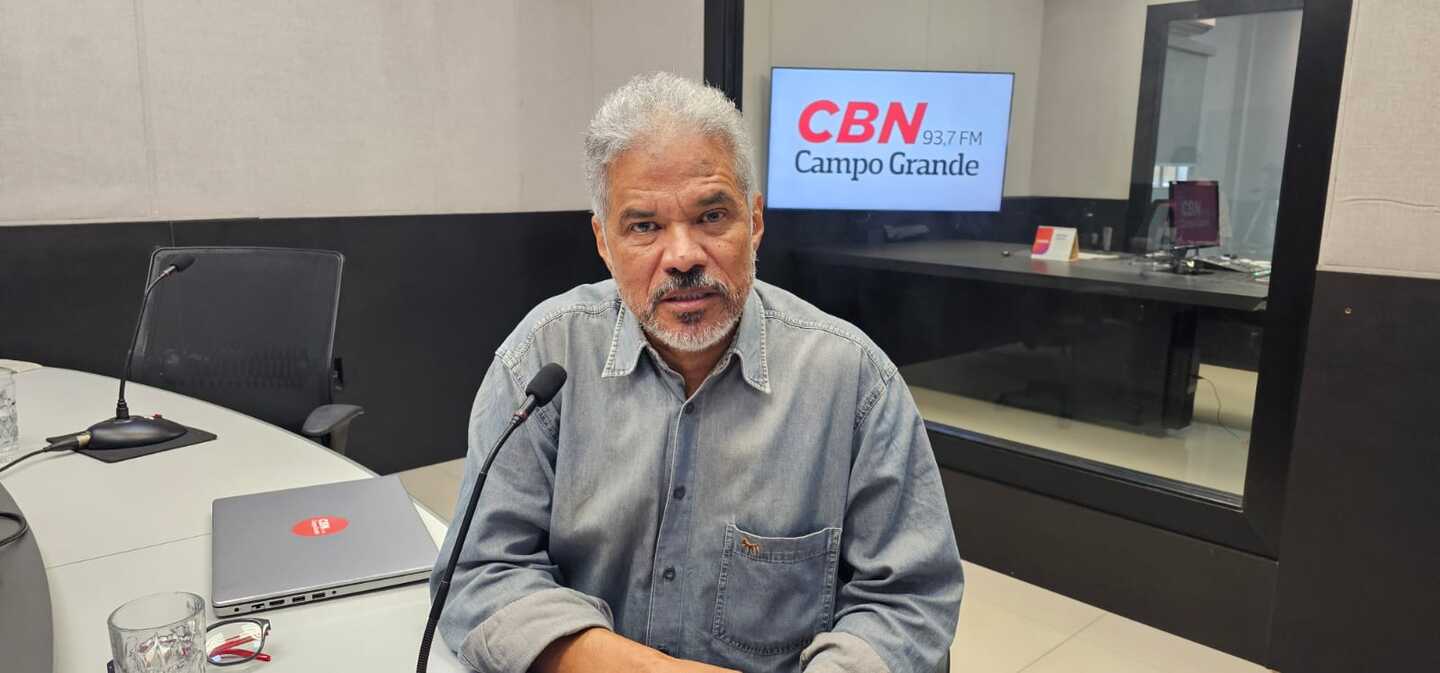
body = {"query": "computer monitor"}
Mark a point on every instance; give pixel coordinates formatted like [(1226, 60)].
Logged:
[(1195, 214)]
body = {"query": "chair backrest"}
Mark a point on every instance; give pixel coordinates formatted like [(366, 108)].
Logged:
[(251, 329)]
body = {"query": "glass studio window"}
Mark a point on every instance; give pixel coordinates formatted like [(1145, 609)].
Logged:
[(1159, 143)]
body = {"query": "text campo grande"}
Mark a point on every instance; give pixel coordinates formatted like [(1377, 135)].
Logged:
[(899, 164)]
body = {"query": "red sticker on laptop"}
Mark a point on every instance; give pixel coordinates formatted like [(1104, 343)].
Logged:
[(320, 526)]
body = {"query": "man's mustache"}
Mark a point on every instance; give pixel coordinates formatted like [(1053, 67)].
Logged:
[(694, 279)]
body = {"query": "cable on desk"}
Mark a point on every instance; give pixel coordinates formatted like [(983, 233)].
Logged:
[(19, 519), (67, 444)]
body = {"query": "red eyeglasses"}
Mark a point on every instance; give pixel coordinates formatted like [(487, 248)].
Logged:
[(236, 641)]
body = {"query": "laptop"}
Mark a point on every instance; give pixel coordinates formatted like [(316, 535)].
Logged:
[(303, 545)]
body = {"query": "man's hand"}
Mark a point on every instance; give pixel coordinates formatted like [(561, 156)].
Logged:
[(686, 666), (603, 651)]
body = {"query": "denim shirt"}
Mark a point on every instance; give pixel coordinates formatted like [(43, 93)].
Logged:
[(788, 516)]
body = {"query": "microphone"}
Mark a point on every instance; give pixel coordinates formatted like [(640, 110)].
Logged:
[(538, 393), (125, 431), (541, 389)]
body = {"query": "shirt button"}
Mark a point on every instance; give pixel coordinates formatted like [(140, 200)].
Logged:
[(690, 408), (669, 573), (679, 493)]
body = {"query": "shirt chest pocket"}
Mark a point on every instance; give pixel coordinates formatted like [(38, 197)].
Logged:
[(775, 593)]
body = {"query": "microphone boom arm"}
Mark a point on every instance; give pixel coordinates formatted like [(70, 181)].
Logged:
[(124, 431), (541, 390), (122, 410)]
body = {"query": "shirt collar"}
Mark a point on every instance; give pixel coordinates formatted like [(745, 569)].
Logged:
[(628, 340)]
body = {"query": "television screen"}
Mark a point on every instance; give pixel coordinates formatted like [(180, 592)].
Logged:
[(888, 140)]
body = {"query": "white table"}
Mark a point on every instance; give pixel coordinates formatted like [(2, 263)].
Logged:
[(109, 532)]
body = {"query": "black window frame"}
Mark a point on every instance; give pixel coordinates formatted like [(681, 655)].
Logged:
[(1250, 522)]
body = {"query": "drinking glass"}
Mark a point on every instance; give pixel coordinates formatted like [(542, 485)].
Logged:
[(9, 417), (159, 633)]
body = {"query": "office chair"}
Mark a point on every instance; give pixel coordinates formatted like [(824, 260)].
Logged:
[(251, 329)]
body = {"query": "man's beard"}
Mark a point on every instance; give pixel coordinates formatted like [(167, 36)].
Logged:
[(732, 304), (690, 340)]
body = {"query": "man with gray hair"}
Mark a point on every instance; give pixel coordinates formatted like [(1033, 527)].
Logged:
[(731, 480)]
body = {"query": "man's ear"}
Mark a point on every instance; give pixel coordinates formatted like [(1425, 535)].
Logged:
[(757, 221), (598, 228)]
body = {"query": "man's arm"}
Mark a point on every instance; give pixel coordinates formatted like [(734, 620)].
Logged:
[(601, 651), (897, 612)]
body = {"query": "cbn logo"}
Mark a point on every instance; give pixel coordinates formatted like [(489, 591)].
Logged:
[(858, 123), (320, 526)]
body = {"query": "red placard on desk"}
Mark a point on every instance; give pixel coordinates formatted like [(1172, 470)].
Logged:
[(1060, 244)]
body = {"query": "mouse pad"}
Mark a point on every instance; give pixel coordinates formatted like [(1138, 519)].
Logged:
[(191, 436)]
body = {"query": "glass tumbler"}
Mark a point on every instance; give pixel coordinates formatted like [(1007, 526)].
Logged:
[(159, 633), (9, 417)]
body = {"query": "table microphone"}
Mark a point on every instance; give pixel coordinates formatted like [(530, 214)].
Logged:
[(541, 389), (125, 431)]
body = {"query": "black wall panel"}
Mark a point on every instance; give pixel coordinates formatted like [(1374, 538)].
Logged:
[(1360, 557), (69, 294)]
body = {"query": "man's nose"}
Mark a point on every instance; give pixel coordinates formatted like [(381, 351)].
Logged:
[(682, 252)]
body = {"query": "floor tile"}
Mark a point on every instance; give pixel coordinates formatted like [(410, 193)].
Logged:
[(435, 487), (1060, 613), (1114, 644), (1084, 657), (455, 467), (993, 639)]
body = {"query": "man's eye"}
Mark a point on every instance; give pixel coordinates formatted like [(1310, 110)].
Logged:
[(713, 216), (643, 227)]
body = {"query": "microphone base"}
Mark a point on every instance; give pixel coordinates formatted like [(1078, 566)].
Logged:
[(135, 431)]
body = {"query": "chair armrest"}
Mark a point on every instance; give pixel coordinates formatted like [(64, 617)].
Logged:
[(330, 419)]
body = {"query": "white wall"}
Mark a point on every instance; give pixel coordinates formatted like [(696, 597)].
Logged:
[(161, 109), (1089, 89), (983, 35), (1383, 215)]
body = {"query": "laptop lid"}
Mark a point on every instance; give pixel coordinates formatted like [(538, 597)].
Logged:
[(305, 544)]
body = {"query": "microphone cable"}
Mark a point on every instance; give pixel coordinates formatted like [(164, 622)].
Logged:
[(68, 444), (18, 518)]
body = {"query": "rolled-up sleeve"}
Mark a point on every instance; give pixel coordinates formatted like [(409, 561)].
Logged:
[(507, 601), (897, 611)]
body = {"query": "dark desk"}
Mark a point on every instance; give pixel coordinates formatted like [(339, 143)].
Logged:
[(985, 261), (1110, 340), (25, 639)]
